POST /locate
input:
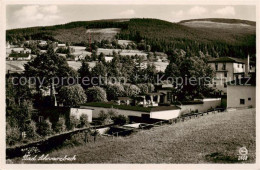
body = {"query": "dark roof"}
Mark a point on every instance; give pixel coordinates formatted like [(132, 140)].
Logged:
[(124, 98), (227, 60), (247, 81), (17, 55), (163, 108)]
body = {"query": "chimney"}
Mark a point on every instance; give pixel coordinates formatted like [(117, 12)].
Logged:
[(247, 66)]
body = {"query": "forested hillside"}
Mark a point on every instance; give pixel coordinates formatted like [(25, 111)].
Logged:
[(158, 34)]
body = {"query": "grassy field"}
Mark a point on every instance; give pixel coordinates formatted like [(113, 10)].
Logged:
[(213, 138)]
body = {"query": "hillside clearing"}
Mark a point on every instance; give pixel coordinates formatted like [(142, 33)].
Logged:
[(214, 138)]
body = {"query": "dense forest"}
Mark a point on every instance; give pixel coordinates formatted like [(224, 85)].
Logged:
[(159, 35)]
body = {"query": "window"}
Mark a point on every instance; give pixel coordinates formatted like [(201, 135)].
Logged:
[(238, 65), (242, 65), (242, 101), (224, 66), (225, 85), (215, 84), (216, 66), (249, 99), (225, 74)]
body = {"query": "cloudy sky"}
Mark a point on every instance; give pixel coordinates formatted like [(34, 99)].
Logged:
[(20, 16)]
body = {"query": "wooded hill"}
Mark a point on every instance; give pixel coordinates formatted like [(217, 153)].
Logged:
[(216, 40)]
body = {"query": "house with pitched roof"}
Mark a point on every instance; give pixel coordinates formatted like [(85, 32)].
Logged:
[(227, 69)]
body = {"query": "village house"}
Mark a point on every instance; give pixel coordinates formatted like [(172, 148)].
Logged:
[(20, 56), (42, 43), (79, 57), (17, 50), (227, 69), (241, 93), (61, 45)]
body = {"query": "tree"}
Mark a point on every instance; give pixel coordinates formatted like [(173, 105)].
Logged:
[(46, 67), (144, 89), (131, 90), (96, 94), (187, 66), (72, 95), (114, 91), (84, 73)]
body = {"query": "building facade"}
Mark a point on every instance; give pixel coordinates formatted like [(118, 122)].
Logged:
[(241, 93), (227, 69)]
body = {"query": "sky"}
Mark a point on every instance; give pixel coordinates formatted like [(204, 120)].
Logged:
[(21, 16)]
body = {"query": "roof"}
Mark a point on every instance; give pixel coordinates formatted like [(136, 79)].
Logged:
[(163, 108), (247, 81), (227, 60), (17, 55)]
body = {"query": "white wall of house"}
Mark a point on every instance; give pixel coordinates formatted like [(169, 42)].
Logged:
[(165, 115), (96, 111), (235, 93), (226, 75), (77, 112), (207, 104)]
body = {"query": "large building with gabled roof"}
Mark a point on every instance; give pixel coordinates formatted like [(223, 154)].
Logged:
[(227, 69)]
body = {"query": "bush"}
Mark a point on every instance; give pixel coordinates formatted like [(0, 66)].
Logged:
[(120, 120), (83, 121), (44, 128), (131, 90), (31, 129), (74, 122), (105, 118), (114, 91), (12, 135), (96, 94), (60, 126), (72, 95), (143, 88)]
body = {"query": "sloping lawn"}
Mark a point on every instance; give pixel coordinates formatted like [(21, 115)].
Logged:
[(213, 138)]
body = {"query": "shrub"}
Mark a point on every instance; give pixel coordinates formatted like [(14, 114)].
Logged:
[(12, 135), (104, 118), (131, 90), (120, 120), (72, 95), (31, 129), (96, 94), (74, 122), (83, 121), (114, 91), (44, 128), (143, 88), (111, 113), (60, 126)]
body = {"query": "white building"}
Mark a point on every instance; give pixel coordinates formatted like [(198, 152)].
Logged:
[(227, 69), (241, 93)]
